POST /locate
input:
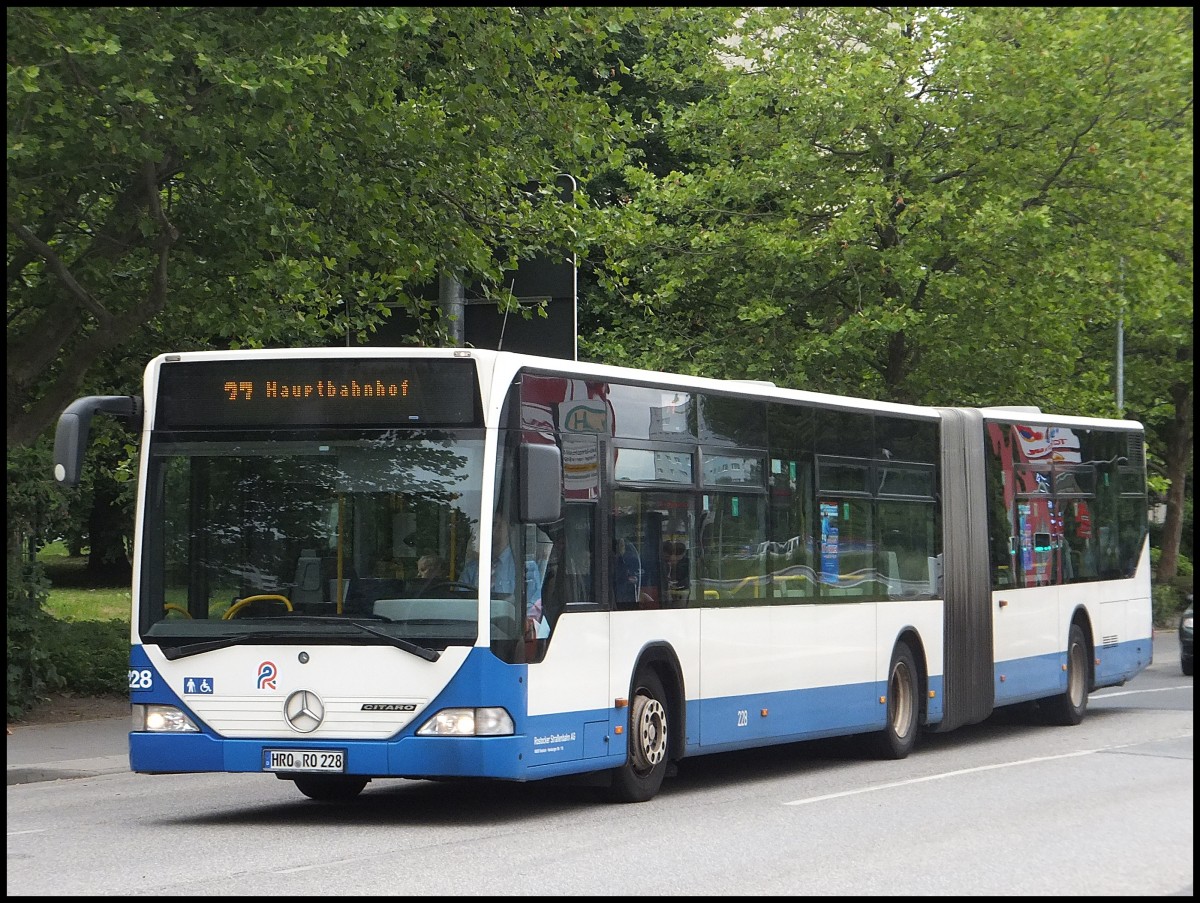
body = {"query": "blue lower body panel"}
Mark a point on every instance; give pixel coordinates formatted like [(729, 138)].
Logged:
[(1041, 676), (489, 757), (543, 746)]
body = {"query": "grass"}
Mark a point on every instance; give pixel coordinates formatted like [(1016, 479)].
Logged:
[(89, 604), (72, 597)]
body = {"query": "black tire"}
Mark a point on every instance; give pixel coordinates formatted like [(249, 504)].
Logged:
[(330, 788), (640, 778), (1187, 665), (899, 737), (1068, 708)]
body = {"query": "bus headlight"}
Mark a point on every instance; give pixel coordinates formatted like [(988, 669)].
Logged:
[(161, 718), (486, 722)]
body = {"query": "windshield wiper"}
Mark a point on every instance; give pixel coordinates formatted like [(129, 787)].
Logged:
[(428, 654), (171, 653), (420, 651)]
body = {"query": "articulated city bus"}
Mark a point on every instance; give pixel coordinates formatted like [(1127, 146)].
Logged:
[(354, 564)]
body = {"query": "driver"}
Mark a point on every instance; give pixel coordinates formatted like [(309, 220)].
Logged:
[(504, 578)]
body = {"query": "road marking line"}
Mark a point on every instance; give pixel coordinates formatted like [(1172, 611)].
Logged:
[(962, 771), (1117, 693), (938, 777)]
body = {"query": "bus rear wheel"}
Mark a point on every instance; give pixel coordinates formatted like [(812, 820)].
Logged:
[(1069, 707), (330, 788), (640, 778), (899, 737)]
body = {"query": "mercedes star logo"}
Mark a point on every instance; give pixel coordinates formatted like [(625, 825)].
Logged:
[(304, 711)]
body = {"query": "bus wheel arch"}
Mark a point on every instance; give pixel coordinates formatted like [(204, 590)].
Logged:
[(904, 700), (1069, 707), (655, 728), (921, 660), (1083, 620)]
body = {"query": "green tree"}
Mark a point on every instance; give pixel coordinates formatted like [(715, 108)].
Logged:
[(273, 175), (927, 205), (1159, 385)]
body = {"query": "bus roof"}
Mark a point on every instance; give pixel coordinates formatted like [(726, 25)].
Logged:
[(507, 364)]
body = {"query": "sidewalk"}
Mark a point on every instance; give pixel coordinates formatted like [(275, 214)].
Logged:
[(77, 749)]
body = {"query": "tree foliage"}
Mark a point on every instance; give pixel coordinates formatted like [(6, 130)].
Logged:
[(274, 175), (922, 205)]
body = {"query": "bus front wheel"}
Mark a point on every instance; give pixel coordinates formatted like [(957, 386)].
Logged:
[(899, 737), (640, 778), (330, 788)]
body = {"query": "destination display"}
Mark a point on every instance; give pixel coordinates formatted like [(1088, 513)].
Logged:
[(316, 392)]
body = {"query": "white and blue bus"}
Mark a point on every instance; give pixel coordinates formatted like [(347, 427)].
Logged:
[(629, 567)]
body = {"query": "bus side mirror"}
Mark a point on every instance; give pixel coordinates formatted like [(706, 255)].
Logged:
[(541, 483), (74, 424)]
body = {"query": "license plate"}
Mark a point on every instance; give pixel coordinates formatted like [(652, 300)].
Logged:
[(324, 760)]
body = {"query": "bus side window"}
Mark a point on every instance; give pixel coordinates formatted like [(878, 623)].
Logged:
[(568, 565), (676, 573), (627, 572)]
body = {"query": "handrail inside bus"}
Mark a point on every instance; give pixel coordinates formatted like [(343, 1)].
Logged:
[(242, 603)]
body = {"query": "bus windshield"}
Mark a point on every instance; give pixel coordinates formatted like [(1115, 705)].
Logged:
[(255, 535)]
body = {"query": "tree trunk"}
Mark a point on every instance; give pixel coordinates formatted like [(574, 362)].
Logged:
[(1178, 458), (107, 560)]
